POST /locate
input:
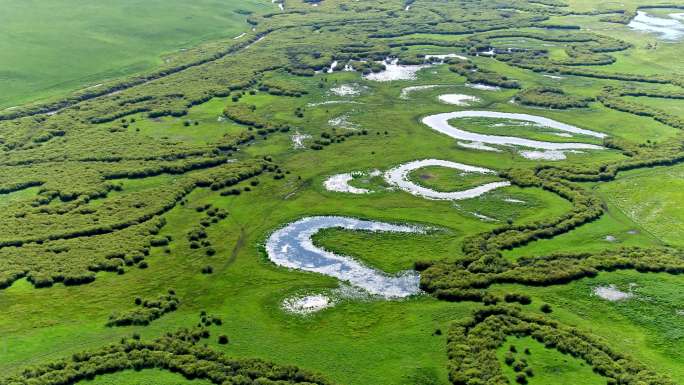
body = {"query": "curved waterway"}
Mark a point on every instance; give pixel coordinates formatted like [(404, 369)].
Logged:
[(440, 123), (398, 176), (670, 28), (292, 247)]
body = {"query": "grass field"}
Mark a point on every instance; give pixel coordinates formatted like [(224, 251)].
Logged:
[(61, 46), (547, 366), (92, 172), (652, 200)]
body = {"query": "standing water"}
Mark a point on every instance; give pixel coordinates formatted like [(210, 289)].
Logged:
[(292, 247)]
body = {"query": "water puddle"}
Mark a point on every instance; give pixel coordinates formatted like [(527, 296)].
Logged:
[(482, 87), (308, 303), (611, 293), (445, 56), (458, 99), (348, 90), (343, 121), (340, 183), (329, 102), (298, 140), (478, 146), (547, 155), (394, 71)]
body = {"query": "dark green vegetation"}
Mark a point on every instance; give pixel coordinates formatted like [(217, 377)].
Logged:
[(177, 352), (550, 97), (473, 343), (175, 177), (146, 311)]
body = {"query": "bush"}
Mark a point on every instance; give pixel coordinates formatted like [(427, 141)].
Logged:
[(551, 97), (223, 339), (519, 366), (177, 352), (147, 310)]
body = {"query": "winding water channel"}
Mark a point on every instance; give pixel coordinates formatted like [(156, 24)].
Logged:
[(292, 247), (440, 123), (399, 176)]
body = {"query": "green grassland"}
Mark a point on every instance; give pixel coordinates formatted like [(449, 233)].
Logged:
[(203, 125), (652, 200), (646, 325), (53, 47), (173, 155), (446, 179), (548, 366)]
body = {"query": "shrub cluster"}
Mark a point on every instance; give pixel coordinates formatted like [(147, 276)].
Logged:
[(550, 97), (477, 75), (198, 237), (472, 345), (178, 352), (611, 98), (245, 114), (466, 281), (147, 310), (72, 240), (330, 137)]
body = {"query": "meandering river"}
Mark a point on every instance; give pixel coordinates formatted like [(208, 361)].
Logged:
[(292, 247), (440, 123), (398, 176)]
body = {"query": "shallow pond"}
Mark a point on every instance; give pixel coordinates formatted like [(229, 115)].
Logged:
[(340, 183), (671, 28), (458, 99), (395, 71)]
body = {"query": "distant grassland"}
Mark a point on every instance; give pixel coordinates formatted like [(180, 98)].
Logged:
[(50, 47), (653, 200)]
